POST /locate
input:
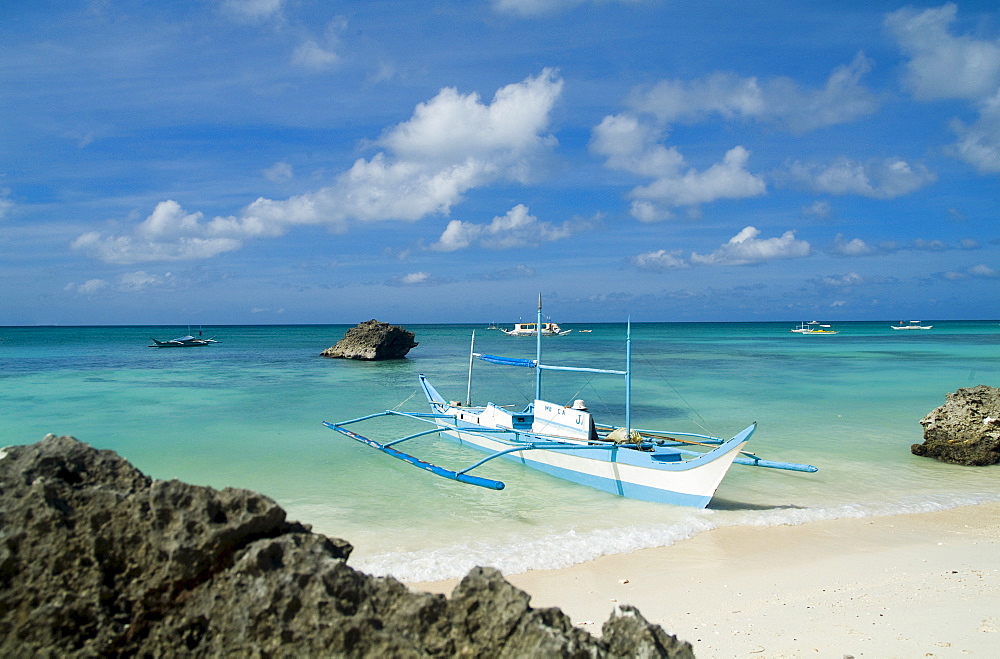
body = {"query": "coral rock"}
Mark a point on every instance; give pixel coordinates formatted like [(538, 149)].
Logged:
[(97, 559), (965, 430), (373, 340)]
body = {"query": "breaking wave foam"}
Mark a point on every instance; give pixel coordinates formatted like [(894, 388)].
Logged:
[(568, 548)]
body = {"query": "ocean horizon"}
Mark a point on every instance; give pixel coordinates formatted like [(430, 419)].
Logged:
[(247, 412)]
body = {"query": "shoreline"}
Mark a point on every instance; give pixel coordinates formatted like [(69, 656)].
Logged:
[(919, 584)]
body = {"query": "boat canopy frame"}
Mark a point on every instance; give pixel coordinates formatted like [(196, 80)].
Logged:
[(537, 364)]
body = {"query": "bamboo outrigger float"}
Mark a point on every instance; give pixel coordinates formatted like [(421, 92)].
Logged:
[(653, 465)]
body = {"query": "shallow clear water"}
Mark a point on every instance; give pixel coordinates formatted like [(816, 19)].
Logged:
[(246, 412)]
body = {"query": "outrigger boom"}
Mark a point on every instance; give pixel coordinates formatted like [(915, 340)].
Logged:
[(564, 441), (460, 476)]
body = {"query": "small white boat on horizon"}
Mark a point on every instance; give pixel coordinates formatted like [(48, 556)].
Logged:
[(531, 329), (813, 327), (912, 325), (182, 342)]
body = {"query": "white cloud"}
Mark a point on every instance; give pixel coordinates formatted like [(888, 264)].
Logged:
[(129, 282), (728, 179), (254, 9), (168, 234), (6, 204), (452, 144), (957, 215), (879, 179), (279, 172), (853, 247), (820, 209), (88, 287), (518, 228), (979, 143), (533, 7), (126, 250), (517, 272), (776, 100), (660, 259), (631, 144), (310, 55), (140, 281), (840, 281), (453, 127), (982, 271), (745, 248), (929, 245), (415, 278), (942, 65), (541, 7), (947, 66)]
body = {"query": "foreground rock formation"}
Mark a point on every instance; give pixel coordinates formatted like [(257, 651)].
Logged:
[(373, 340), (965, 430), (97, 559)]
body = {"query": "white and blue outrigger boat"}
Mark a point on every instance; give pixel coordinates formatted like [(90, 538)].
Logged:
[(564, 440)]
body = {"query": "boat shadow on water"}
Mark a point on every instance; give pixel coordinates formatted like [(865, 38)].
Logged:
[(734, 506)]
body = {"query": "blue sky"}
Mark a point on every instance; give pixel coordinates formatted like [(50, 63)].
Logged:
[(307, 161)]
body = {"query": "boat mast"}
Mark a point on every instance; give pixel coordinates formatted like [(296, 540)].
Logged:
[(538, 351), (628, 379), (472, 356)]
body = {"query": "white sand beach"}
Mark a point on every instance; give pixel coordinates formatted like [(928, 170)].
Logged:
[(919, 585)]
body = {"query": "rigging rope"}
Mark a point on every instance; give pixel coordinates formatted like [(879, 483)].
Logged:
[(396, 409), (699, 421), (608, 363)]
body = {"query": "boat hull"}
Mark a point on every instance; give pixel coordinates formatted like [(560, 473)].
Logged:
[(660, 477), (691, 487)]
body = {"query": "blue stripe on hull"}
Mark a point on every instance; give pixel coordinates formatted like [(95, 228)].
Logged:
[(615, 486), (610, 485)]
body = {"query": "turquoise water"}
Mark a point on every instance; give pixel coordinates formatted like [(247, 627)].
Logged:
[(246, 412)]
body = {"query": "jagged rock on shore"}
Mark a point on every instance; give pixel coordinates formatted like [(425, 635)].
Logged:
[(965, 430), (372, 340), (97, 559)]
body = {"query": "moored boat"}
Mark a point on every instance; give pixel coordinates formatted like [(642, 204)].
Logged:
[(565, 440), (531, 329), (813, 327), (912, 325), (182, 342)]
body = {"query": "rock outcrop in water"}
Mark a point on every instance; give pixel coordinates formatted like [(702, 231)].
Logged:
[(965, 430), (97, 559), (373, 340)]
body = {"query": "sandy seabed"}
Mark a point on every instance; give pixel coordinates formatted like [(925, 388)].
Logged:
[(919, 585)]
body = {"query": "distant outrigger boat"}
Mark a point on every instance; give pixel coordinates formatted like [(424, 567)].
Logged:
[(912, 325), (813, 327), (564, 441), (182, 342), (531, 329)]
